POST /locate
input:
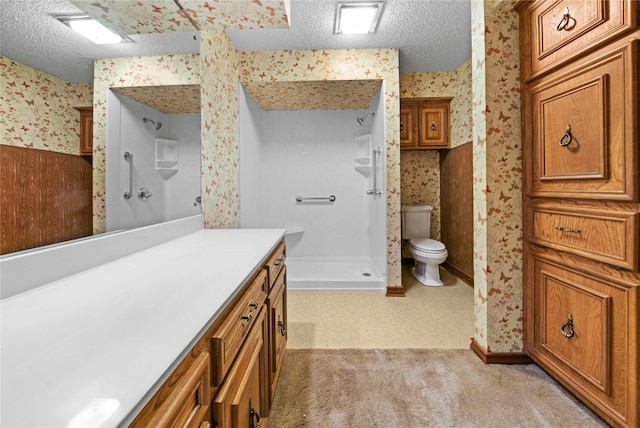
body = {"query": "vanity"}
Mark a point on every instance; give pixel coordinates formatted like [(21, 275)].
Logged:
[(187, 332)]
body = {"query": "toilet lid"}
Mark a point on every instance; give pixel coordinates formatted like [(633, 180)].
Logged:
[(430, 245)]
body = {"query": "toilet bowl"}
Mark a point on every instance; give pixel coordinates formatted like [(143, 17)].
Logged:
[(427, 253)]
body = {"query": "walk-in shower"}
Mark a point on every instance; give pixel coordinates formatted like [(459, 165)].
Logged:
[(312, 173)]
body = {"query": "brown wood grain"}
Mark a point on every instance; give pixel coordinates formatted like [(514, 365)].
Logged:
[(45, 197)]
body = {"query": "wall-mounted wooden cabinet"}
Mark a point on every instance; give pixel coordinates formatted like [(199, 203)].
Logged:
[(86, 130), (425, 123)]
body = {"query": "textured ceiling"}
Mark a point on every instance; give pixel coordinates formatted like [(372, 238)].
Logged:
[(431, 35)]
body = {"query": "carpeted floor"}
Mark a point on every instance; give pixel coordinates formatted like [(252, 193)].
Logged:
[(406, 388)]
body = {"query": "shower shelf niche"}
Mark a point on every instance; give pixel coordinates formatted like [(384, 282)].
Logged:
[(362, 154), (166, 156)]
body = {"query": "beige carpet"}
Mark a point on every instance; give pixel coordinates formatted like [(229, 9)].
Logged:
[(406, 388)]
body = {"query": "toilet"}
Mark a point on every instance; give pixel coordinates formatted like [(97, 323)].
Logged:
[(427, 253)]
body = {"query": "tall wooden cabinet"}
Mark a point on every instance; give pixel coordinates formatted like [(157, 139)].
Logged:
[(580, 116)]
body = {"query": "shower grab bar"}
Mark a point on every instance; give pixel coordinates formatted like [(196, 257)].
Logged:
[(375, 191), (330, 198), (129, 158)]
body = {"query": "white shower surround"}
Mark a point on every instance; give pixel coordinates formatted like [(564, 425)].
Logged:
[(173, 195), (284, 154)]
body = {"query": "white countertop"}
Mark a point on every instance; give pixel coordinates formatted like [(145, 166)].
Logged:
[(91, 349)]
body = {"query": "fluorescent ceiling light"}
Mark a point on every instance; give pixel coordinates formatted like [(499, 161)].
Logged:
[(357, 17), (91, 29)]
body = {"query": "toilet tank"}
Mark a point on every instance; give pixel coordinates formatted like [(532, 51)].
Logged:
[(416, 221)]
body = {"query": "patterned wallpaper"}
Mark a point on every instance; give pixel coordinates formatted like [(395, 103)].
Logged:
[(347, 64), (173, 99), (497, 176), (37, 110), (420, 169), (161, 16), (314, 95), (166, 70), (220, 150)]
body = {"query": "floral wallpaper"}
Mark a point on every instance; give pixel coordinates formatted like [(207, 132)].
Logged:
[(420, 169), (347, 64), (162, 16), (151, 71), (170, 99), (220, 149), (37, 110), (314, 95), (497, 176)]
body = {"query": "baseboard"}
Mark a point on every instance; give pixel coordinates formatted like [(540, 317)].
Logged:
[(489, 357), (395, 291), (458, 273)]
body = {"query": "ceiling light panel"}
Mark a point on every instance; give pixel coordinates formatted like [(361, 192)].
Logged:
[(357, 17), (91, 29)]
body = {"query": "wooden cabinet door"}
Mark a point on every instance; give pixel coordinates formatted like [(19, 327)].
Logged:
[(583, 132), (580, 326), (241, 396), (433, 127), (407, 128), (86, 131), (277, 329)]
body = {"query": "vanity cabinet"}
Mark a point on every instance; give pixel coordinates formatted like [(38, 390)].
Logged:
[(229, 376), (580, 105), (86, 130), (424, 123)]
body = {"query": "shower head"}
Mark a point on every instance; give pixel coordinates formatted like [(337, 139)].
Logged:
[(156, 125), (361, 119)]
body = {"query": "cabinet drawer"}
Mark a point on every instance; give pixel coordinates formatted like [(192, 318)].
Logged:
[(278, 328), (583, 130), (228, 339), (580, 332), (608, 236), (188, 403), (563, 29), (275, 263)]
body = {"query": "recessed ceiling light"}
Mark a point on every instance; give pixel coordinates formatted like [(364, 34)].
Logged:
[(91, 29), (357, 17)]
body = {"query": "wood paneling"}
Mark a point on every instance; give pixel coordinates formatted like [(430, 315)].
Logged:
[(45, 197), (456, 205)]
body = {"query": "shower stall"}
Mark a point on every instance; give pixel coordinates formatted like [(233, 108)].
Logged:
[(321, 175), (152, 164)]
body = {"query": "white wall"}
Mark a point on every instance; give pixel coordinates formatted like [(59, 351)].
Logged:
[(182, 188), (126, 132), (311, 153)]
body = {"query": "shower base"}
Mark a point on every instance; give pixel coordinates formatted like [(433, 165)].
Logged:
[(335, 274)]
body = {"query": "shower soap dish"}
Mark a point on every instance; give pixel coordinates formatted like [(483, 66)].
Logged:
[(166, 155), (362, 155)]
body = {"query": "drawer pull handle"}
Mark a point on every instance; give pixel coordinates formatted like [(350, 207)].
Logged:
[(401, 126), (565, 21), (566, 229), (567, 138), (567, 329), (253, 306), (248, 317), (281, 329), (433, 126), (253, 415), (278, 262)]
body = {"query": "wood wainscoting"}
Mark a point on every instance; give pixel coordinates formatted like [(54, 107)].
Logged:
[(456, 207), (45, 197)]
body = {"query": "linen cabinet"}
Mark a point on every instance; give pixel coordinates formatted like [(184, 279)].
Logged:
[(579, 72)]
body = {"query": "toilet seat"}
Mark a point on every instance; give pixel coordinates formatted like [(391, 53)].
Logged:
[(428, 246)]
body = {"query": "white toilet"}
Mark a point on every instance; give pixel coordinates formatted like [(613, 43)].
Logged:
[(427, 253)]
